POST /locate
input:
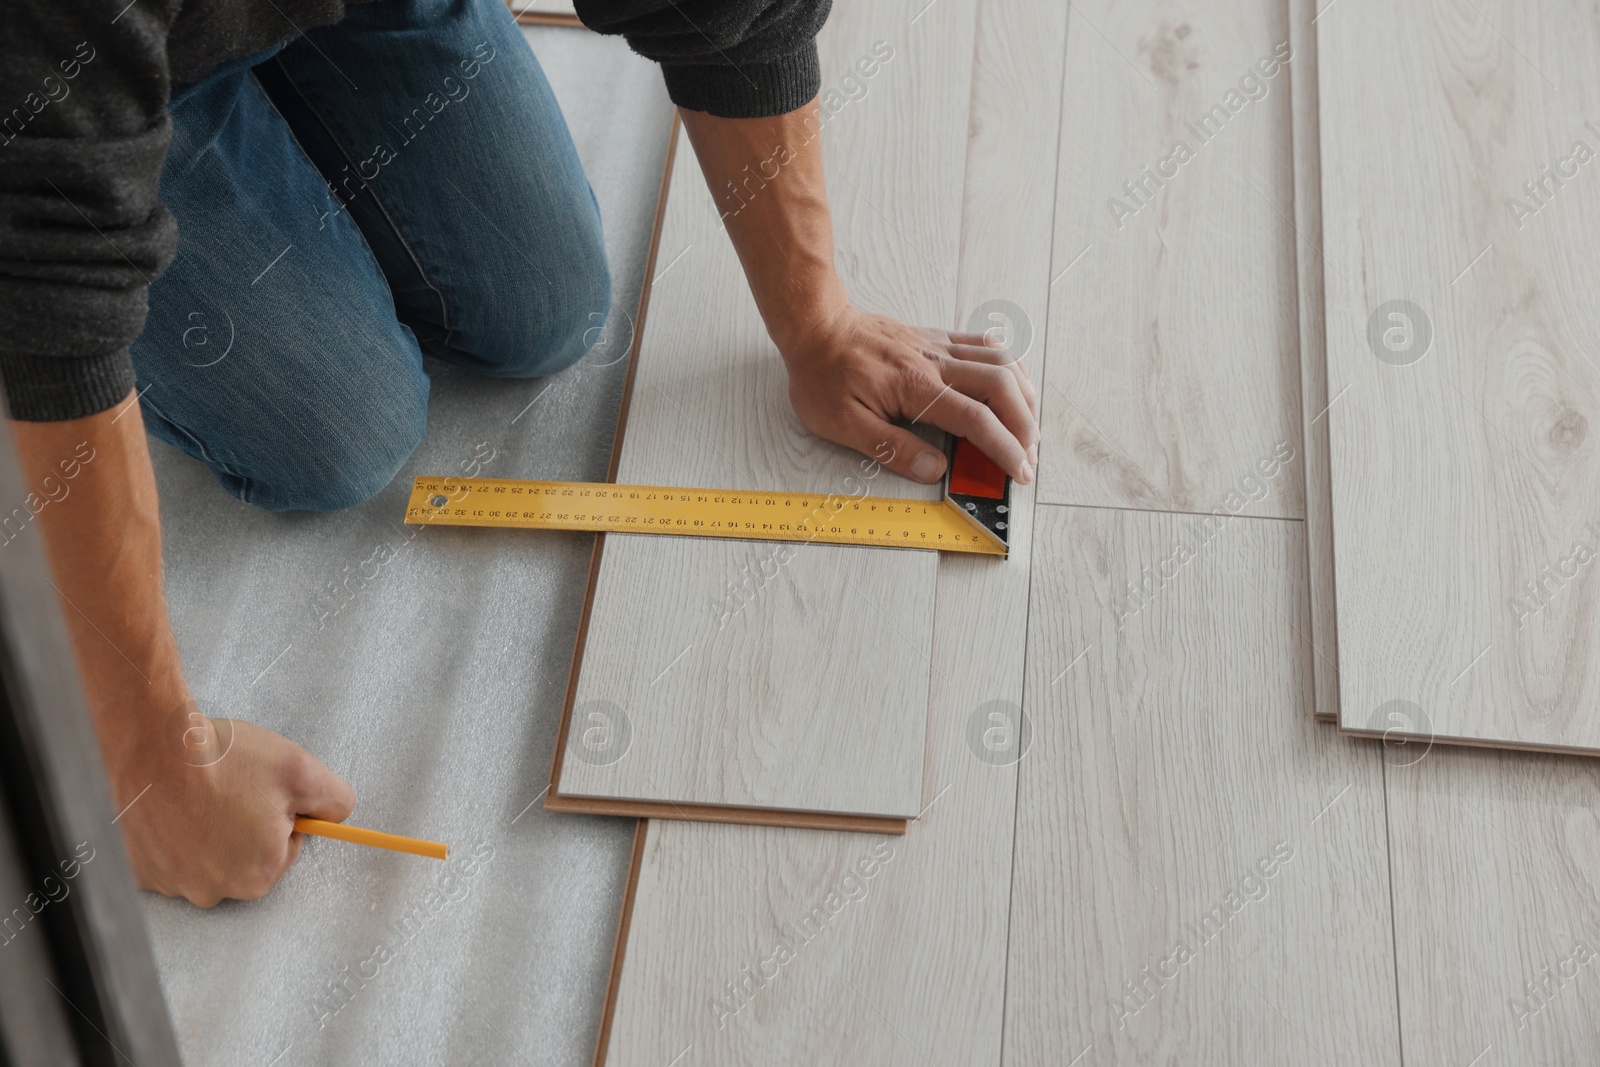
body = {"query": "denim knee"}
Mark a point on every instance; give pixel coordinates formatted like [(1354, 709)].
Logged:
[(338, 458), (542, 323)]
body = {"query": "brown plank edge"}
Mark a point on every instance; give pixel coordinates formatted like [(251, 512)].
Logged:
[(554, 799), (539, 18), (624, 921), (1427, 740), (666, 809)]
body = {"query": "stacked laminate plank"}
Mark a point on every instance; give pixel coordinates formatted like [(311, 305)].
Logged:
[(1465, 480), (1527, 695)]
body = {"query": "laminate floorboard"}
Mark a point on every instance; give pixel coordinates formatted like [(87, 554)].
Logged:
[(1322, 633), (1461, 329), (911, 970), (1496, 867), (1196, 859), (760, 675), (1175, 389)]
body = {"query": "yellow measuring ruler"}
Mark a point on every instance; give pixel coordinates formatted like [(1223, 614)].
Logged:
[(952, 524)]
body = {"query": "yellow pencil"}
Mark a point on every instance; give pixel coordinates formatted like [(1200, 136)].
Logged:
[(375, 838)]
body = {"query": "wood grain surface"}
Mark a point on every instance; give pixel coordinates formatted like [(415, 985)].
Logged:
[(1466, 485), (911, 969), (1173, 373), (1197, 860), (791, 677), (1496, 866)]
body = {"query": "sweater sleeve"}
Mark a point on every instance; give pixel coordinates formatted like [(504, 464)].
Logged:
[(732, 58), (83, 131)]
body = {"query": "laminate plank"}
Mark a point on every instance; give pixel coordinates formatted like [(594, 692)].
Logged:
[(765, 676), (1496, 867), (1176, 387), (1465, 478), (911, 969), (1322, 633), (1200, 871)]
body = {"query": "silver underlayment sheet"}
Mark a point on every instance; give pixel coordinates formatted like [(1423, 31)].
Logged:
[(428, 667)]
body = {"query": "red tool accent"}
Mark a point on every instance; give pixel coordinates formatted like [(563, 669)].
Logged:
[(974, 474)]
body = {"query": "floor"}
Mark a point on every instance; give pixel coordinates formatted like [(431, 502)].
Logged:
[(434, 682), (1199, 872)]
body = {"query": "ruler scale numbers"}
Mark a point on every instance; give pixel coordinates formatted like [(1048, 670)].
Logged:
[(605, 507)]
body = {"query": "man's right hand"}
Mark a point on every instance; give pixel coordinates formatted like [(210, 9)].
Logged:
[(216, 820)]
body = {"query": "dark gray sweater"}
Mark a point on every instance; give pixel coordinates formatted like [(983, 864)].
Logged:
[(84, 129)]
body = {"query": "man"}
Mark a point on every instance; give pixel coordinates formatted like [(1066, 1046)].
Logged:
[(355, 185)]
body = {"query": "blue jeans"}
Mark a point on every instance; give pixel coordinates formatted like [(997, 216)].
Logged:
[(399, 184)]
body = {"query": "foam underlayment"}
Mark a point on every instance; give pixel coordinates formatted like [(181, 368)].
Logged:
[(428, 668)]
